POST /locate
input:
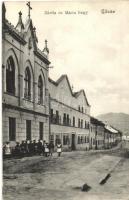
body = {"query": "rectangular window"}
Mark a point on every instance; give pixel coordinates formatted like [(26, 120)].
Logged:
[(51, 115), (57, 139), (73, 121), (28, 129), (65, 140), (78, 123), (41, 130), (81, 139), (87, 125), (64, 119), (78, 139), (81, 123), (12, 129), (52, 138), (57, 117), (67, 119)]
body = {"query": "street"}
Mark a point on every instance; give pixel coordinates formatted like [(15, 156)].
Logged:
[(61, 178)]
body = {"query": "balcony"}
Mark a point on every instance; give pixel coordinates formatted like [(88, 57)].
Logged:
[(55, 119)]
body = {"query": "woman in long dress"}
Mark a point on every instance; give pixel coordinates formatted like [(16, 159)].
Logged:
[(7, 150), (46, 149), (59, 149)]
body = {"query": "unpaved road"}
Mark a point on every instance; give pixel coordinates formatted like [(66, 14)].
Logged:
[(40, 178)]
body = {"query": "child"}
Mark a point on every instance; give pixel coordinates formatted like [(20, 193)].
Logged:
[(59, 150)]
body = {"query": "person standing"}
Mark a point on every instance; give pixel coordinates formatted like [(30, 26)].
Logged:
[(22, 147), (46, 149), (17, 150), (59, 149), (43, 147), (51, 148), (39, 147), (30, 147), (7, 150)]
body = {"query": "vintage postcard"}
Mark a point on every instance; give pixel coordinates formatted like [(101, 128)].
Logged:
[(65, 100)]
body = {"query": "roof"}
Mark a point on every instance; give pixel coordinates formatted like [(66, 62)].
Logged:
[(7, 27), (74, 94), (96, 121), (110, 129)]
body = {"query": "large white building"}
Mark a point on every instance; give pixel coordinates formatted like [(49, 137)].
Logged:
[(69, 115), (25, 95)]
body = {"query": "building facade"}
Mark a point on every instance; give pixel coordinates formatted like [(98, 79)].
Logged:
[(36, 107), (97, 130), (25, 96), (102, 135), (69, 115)]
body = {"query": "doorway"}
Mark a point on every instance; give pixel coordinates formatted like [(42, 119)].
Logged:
[(73, 146)]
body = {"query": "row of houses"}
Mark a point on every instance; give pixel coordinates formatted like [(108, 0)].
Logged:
[(37, 107)]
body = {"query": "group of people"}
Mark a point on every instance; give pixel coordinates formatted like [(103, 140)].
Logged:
[(30, 148)]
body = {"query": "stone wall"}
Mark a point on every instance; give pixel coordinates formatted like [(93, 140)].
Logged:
[(21, 118)]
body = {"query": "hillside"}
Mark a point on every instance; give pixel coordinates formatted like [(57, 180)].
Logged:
[(118, 120)]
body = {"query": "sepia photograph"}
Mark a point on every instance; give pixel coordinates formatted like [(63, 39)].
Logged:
[(65, 100)]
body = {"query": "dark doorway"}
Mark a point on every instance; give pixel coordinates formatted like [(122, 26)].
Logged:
[(73, 146), (41, 130), (12, 129), (28, 129)]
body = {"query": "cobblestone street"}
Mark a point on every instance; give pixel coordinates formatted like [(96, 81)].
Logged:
[(61, 178)]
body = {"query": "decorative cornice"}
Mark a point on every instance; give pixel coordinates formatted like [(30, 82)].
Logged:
[(42, 56), (8, 27), (23, 110), (86, 129)]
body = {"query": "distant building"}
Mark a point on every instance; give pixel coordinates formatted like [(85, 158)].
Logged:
[(69, 115), (112, 136), (96, 134), (103, 136)]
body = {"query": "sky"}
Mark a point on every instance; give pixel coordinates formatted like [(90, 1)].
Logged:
[(91, 48)]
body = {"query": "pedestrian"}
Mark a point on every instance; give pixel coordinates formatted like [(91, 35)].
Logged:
[(17, 150), (59, 149), (35, 146), (43, 147), (31, 148), (39, 148), (27, 147), (46, 149), (51, 148), (7, 150), (23, 148)]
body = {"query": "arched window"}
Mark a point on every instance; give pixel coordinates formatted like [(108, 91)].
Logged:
[(27, 89), (10, 76), (40, 90)]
